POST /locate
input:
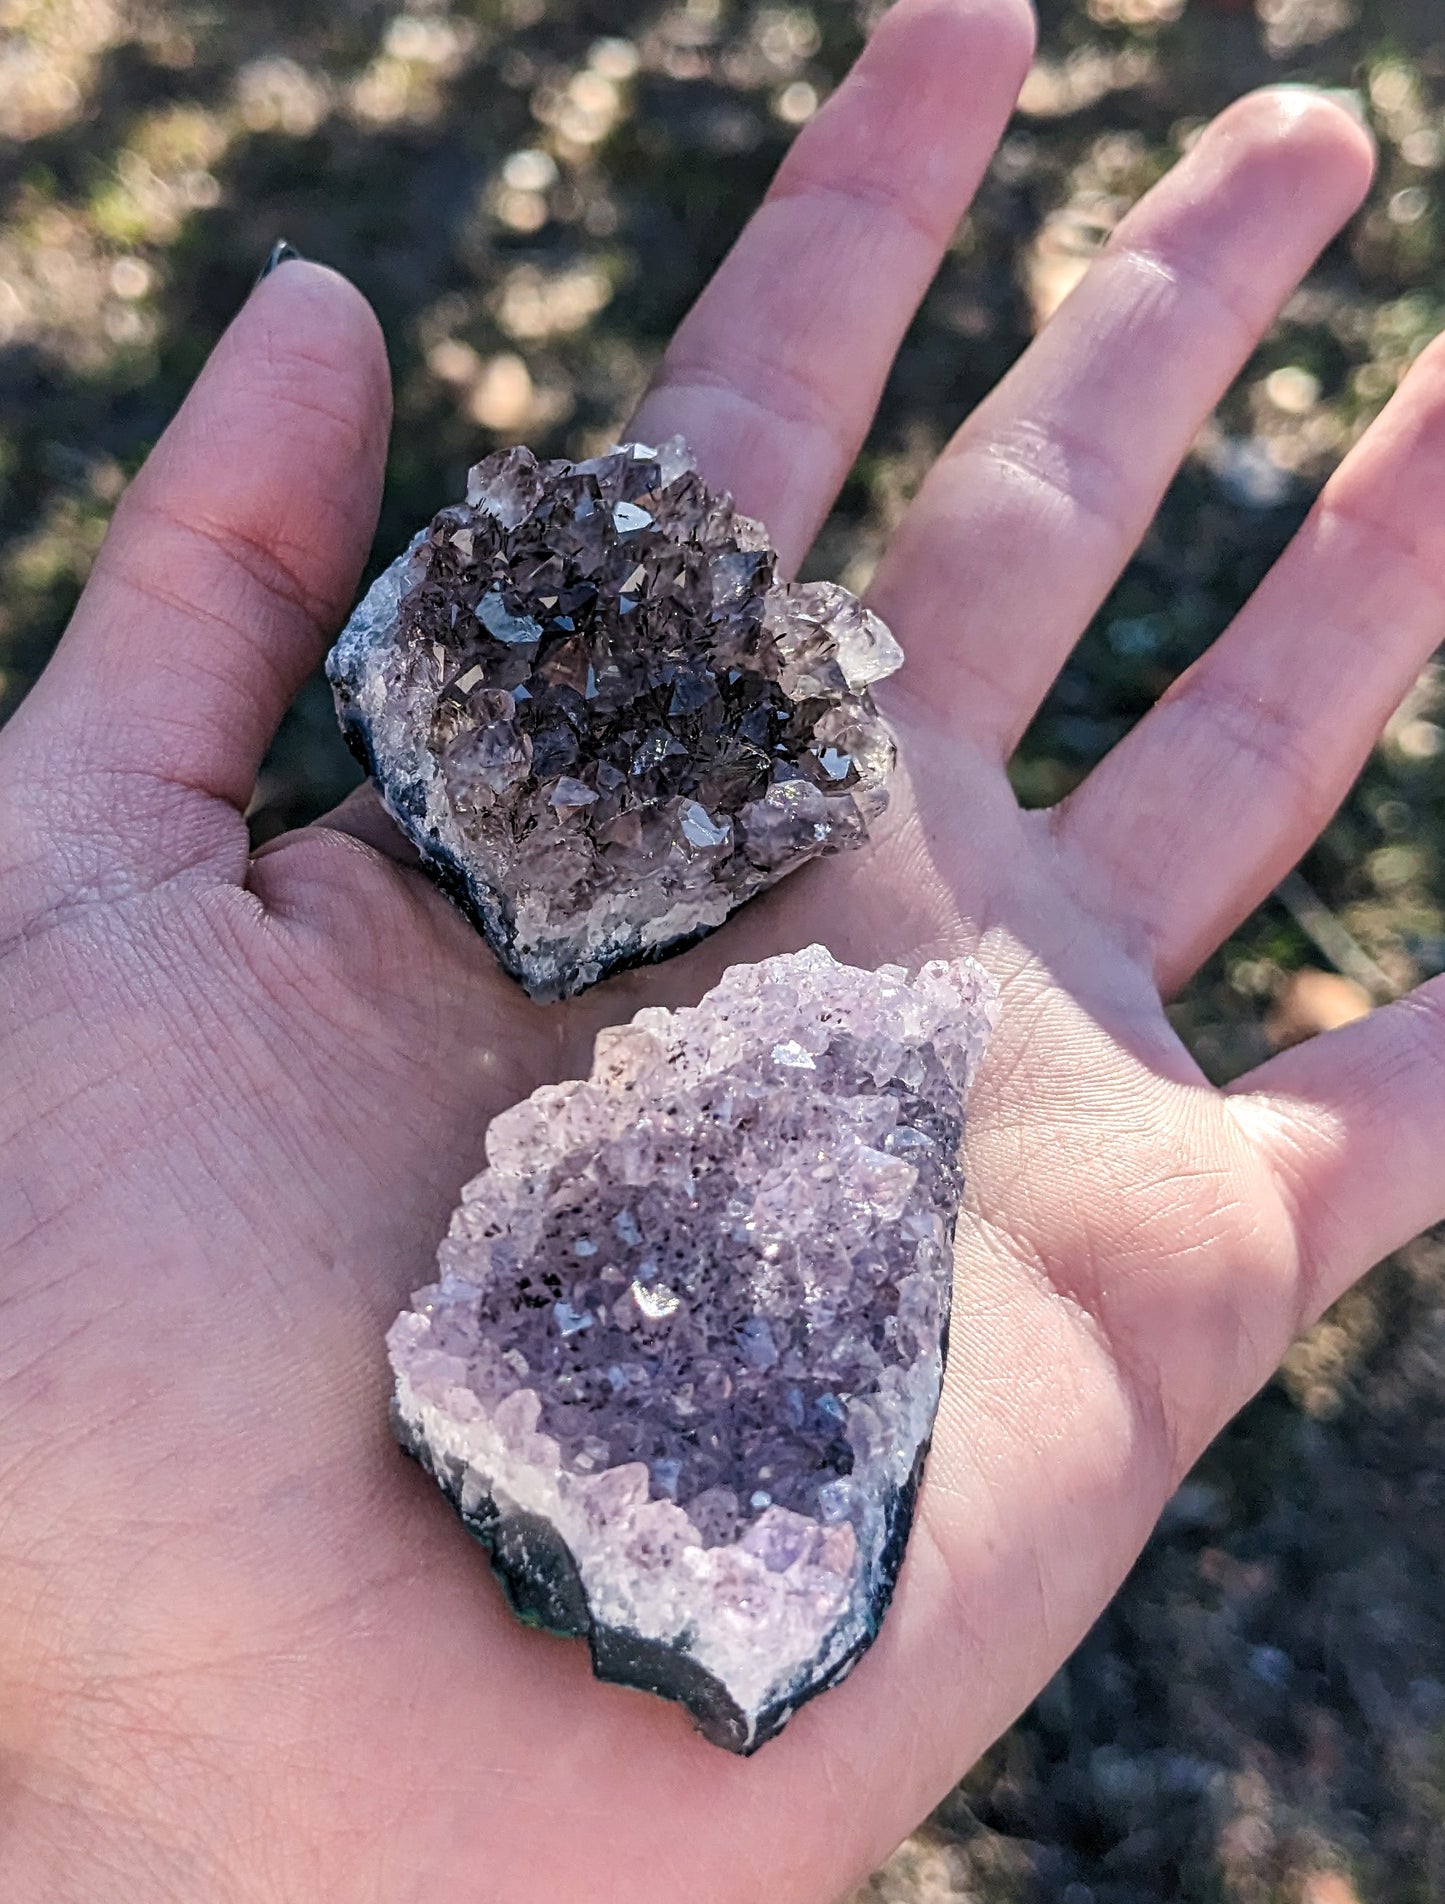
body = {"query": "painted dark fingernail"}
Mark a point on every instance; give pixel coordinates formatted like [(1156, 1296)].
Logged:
[(281, 253)]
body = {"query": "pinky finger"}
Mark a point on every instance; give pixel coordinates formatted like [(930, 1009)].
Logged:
[(1352, 1125)]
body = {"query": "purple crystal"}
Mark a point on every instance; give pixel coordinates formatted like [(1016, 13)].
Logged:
[(601, 718), (681, 1365)]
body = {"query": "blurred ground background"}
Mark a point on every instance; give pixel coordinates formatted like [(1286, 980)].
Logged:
[(531, 192)]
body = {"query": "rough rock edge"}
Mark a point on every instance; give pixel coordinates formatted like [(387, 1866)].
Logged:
[(530, 1533), (371, 627), (544, 1589)]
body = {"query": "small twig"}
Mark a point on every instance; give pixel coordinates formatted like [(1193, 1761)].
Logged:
[(1323, 929)]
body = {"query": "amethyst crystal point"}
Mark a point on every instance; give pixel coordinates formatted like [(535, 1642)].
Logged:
[(681, 1366), (601, 718)]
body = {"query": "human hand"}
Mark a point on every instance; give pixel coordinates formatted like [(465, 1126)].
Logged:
[(245, 1653)]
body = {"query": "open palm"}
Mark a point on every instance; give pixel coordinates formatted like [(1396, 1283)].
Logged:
[(244, 1652)]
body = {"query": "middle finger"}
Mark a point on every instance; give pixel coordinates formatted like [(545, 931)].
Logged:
[(1026, 520)]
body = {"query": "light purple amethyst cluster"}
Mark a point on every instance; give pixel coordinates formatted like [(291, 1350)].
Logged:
[(681, 1363)]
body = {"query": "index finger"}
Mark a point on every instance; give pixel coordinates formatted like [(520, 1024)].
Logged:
[(774, 375)]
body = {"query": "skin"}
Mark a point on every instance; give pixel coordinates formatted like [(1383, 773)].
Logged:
[(245, 1655)]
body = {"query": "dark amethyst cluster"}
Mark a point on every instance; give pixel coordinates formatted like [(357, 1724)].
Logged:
[(602, 719)]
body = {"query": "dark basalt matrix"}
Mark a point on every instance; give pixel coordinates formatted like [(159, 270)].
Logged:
[(681, 1365), (600, 717)]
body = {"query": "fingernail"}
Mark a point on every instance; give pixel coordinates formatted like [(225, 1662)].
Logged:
[(1352, 100), (1348, 98), (281, 253)]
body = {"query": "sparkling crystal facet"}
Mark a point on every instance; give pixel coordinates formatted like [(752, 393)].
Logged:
[(680, 1367), (599, 715)]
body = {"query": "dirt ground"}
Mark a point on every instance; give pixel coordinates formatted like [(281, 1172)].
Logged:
[(531, 192)]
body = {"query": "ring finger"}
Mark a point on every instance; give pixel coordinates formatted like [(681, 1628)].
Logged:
[(1199, 811)]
